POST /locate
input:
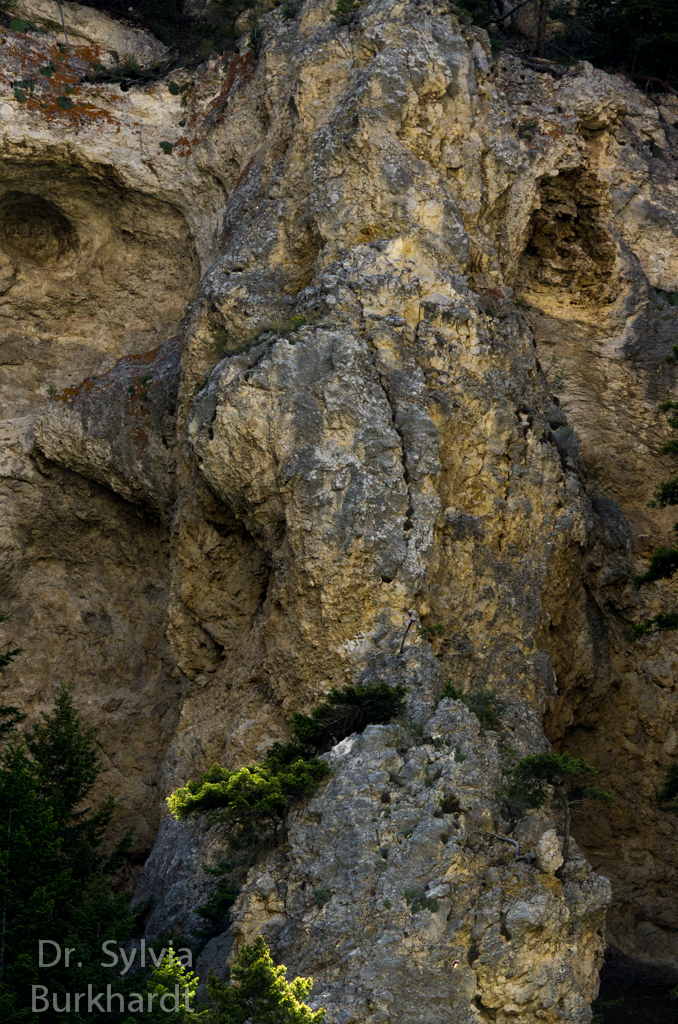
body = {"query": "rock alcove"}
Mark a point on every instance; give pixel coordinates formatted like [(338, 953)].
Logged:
[(91, 271), (35, 230)]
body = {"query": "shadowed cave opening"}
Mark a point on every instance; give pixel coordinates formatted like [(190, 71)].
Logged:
[(33, 229), (569, 256), (568, 278), (634, 993)]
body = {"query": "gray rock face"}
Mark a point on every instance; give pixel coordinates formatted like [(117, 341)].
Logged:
[(395, 898), (119, 429)]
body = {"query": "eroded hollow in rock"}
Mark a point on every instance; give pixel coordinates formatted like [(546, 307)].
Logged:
[(90, 270), (31, 228), (569, 252)]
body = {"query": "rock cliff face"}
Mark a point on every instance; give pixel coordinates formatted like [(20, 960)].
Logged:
[(381, 332)]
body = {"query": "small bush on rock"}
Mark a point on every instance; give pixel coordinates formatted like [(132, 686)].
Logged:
[(215, 913), (345, 11), (348, 710), (485, 704), (668, 794), (251, 802)]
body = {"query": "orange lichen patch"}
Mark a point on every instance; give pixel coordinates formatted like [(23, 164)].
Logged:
[(23, 58), (240, 68), (240, 65), (114, 378), (141, 358), (69, 395)]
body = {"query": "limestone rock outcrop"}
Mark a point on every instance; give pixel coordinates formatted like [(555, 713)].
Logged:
[(397, 898), (416, 294)]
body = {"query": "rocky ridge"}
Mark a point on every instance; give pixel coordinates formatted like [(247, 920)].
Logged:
[(396, 234)]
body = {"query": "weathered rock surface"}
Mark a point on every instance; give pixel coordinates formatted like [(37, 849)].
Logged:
[(428, 315), (119, 429), (393, 896), (87, 25)]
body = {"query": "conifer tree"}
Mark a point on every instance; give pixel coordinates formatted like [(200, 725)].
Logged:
[(54, 881), (172, 989), (12, 715), (259, 992), (10, 654), (535, 776)]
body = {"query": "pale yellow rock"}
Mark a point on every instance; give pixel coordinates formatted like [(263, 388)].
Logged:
[(549, 852), (86, 24), (421, 356)]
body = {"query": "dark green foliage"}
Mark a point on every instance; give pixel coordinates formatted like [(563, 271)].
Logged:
[(664, 559), (660, 622), (66, 767), (8, 657), (668, 490), (639, 37), (416, 901), (668, 794), (252, 802), (535, 775), (12, 714), (191, 38), (602, 1007), (663, 564), (670, 448), (54, 881), (536, 772), (345, 11), (259, 993), (485, 704), (65, 103), (162, 985), (436, 631), (322, 897), (215, 913), (348, 710)]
